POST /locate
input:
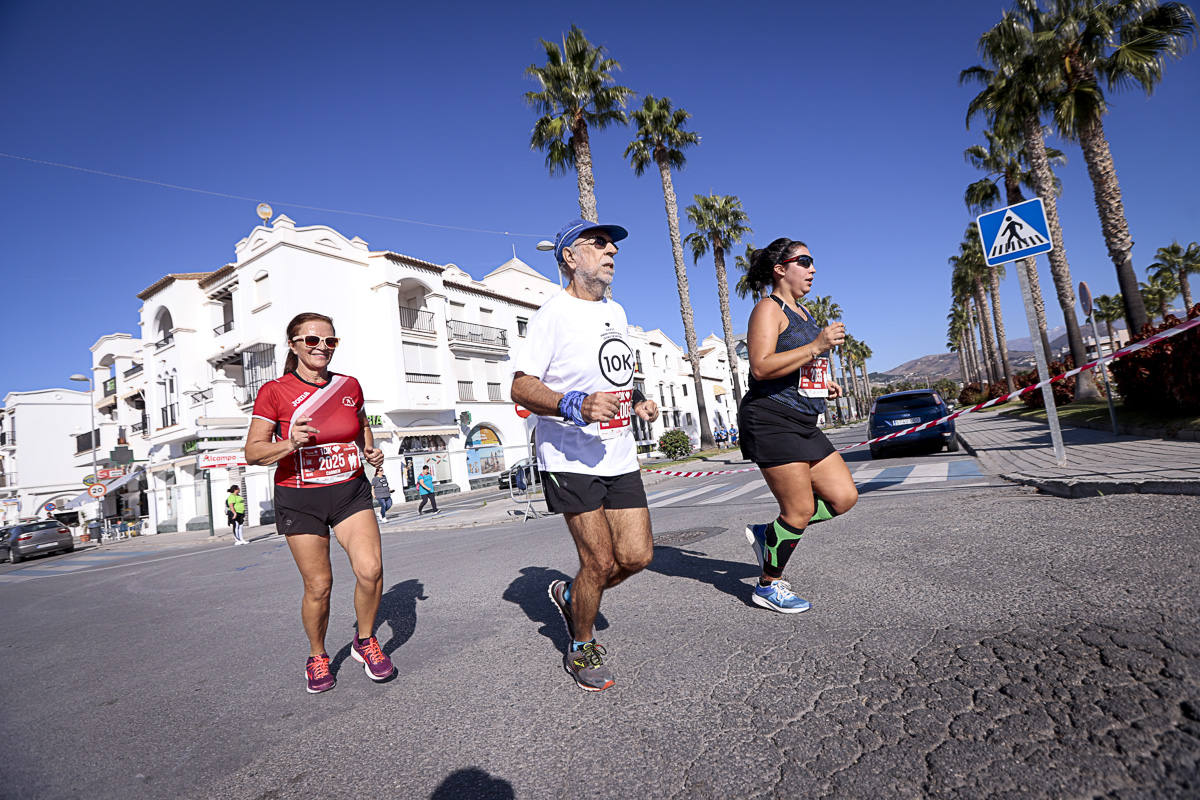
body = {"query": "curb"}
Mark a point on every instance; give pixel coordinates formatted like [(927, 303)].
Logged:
[(1076, 489)]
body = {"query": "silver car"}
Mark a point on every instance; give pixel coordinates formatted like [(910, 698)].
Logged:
[(30, 538)]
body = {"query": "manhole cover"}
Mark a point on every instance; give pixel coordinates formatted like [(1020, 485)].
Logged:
[(686, 536)]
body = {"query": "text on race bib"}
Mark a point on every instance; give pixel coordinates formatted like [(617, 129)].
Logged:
[(619, 425), (329, 463), (814, 378)]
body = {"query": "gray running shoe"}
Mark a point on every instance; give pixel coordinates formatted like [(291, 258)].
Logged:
[(557, 591), (586, 666)]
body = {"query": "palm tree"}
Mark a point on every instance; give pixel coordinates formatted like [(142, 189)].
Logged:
[(1108, 309), (578, 92), (1013, 96), (742, 288), (1006, 159), (959, 331), (1182, 263), (661, 139), (863, 353), (1120, 43), (720, 223), (1159, 291), (968, 276)]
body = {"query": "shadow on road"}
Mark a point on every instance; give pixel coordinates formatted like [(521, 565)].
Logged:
[(398, 608), (725, 576), (529, 592), (474, 783)]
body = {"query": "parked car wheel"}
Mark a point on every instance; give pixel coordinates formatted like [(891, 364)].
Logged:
[(952, 445), (70, 548), (14, 556), (876, 452)]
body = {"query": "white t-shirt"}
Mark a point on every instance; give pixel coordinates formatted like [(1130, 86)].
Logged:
[(579, 345)]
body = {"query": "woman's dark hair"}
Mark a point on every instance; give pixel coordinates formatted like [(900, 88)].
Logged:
[(291, 362), (761, 274), (235, 488)]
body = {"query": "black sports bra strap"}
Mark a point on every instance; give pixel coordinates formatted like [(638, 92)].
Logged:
[(777, 300)]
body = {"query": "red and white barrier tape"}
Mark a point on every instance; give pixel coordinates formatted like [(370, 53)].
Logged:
[(1124, 351)]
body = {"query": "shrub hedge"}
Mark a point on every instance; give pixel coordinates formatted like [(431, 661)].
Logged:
[(1165, 377)]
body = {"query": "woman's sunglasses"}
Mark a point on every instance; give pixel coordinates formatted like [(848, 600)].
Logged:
[(804, 261), (331, 342)]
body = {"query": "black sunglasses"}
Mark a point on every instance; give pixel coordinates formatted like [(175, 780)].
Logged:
[(331, 342), (804, 261)]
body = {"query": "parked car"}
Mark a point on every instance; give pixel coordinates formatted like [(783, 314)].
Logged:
[(893, 412), (527, 464), (29, 538)]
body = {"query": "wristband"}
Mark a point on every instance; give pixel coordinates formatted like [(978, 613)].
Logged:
[(638, 397), (570, 408)]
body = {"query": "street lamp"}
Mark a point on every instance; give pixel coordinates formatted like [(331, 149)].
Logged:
[(546, 247), (92, 433)]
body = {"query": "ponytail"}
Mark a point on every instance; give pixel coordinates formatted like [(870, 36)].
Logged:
[(761, 274)]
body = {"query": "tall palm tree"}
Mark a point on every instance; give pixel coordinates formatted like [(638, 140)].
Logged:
[(1108, 309), (959, 331), (1159, 291), (661, 139), (863, 353), (1004, 158), (742, 288), (1120, 43), (1013, 96), (578, 92), (720, 223), (1182, 262), (969, 275)]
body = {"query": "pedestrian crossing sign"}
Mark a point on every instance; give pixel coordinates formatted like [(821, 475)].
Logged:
[(1014, 232)]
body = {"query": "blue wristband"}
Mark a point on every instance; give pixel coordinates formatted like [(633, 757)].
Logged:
[(571, 408)]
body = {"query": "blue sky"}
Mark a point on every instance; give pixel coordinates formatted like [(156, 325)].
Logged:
[(845, 131)]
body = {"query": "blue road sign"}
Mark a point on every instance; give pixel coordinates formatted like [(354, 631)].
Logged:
[(1014, 232)]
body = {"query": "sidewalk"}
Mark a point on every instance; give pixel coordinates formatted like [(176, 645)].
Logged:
[(1098, 462)]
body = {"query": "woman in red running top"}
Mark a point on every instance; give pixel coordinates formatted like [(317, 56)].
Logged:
[(310, 423)]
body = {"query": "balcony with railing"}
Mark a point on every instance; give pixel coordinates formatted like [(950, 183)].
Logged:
[(142, 426), (422, 377), (136, 369), (223, 328), (494, 393), (416, 319), (466, 391), (166, 341), (475, 334), (110, 387)]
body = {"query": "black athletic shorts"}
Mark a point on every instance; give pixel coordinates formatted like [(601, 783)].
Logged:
[(316, 509), (575, 493), (770, 434)]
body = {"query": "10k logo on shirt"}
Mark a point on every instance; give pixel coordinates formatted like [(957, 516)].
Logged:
[(616, 361)]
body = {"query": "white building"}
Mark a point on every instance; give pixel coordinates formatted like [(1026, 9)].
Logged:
[(39, 434), (426, 341)]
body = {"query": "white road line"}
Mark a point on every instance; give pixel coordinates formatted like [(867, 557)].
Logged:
[(694, 492), (865, 474), (746, 487)]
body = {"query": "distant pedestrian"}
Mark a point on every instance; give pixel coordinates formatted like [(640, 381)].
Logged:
[(789, 384), (235, 512), (426, 491), (383, 493)]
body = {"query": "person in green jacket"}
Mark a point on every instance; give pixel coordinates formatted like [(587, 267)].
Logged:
[(235, 511)]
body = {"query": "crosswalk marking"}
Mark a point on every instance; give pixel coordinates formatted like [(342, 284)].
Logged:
[(868, 477)]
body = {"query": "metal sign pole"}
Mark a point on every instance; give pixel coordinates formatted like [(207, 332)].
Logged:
[(1112, 411), (1039, 353)]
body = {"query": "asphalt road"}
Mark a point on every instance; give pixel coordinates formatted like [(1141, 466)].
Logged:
[(967, 638)]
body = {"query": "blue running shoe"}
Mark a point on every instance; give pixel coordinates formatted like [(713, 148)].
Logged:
[(756, 535), (778, 596)]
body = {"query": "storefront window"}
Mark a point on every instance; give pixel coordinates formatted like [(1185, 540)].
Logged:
[(419, 451)]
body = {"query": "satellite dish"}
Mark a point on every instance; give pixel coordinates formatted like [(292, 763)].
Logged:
[(264, 212)]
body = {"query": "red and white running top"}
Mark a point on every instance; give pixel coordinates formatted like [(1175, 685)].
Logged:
[(332, 456)]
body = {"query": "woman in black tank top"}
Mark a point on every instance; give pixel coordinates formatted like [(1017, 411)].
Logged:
[(789, 384)]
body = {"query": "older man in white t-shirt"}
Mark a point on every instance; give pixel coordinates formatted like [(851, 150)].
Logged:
[(576, 373)]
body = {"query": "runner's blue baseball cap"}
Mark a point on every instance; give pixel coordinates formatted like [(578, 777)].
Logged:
[(570, 232)]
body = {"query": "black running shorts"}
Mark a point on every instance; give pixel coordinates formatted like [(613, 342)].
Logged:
[(770, 434), (575, 493), (316, 509)]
